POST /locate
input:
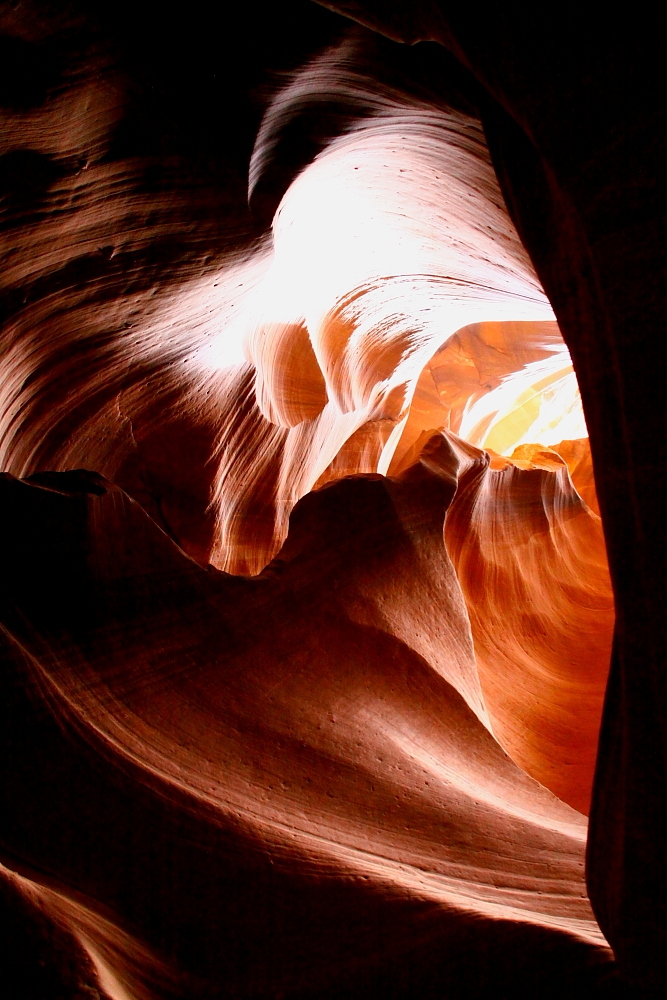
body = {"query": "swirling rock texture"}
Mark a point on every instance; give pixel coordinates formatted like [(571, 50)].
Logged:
[(307, 615)]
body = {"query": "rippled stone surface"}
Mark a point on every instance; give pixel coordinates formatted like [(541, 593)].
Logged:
[(305, 664)]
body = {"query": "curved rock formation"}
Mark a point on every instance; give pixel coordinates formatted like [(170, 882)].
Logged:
[(306, 607), (309, 749), (393, 239), (531, 560)]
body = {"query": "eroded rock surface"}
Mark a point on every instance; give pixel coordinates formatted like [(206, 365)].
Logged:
[(292, 777), (303, 676)]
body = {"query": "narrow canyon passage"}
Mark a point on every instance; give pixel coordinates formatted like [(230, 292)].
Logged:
[(307, 612)]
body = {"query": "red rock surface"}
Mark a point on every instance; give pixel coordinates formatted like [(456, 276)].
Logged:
[(531, 560), (307, 615), (306, 751)]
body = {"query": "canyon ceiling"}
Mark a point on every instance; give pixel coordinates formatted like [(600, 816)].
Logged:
[(333, 462)]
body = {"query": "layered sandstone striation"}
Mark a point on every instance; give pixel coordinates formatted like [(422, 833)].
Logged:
[(309, 748), (306, 611), (531, 560)]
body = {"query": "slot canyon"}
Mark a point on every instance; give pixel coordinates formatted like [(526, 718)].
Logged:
[(332, 451)]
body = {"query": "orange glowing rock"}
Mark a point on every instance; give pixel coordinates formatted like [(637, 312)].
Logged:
[(304, 676), (531, 560)]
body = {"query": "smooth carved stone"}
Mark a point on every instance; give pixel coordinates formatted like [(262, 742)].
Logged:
[(299, 765), (531, 560)]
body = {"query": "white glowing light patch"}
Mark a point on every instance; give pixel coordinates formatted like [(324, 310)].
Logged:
[(224, 306), (393, 239), (403, 212), (404, 195), (540, 404)]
